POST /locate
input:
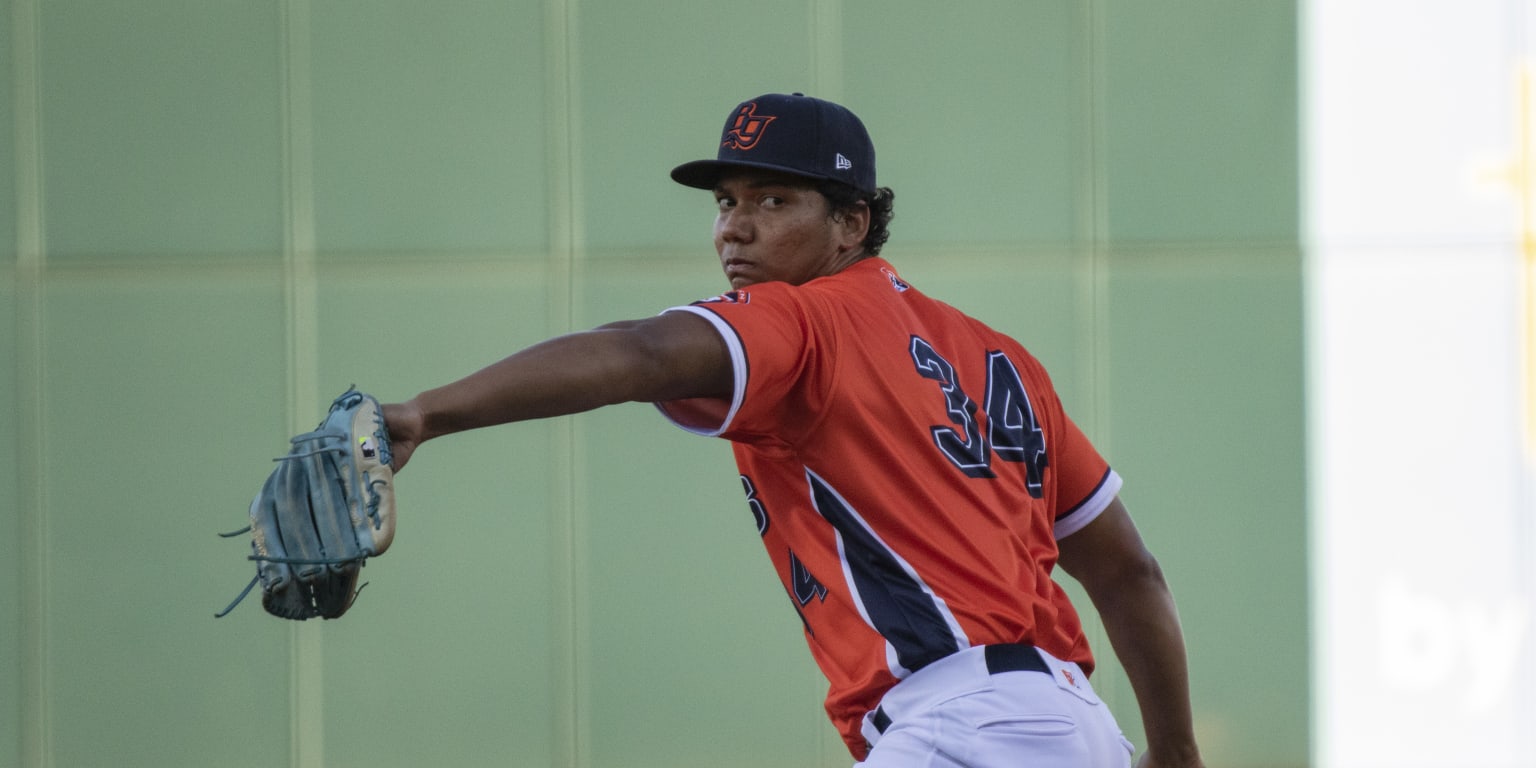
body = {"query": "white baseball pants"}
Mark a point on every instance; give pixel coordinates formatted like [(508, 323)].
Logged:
[(998, 707)]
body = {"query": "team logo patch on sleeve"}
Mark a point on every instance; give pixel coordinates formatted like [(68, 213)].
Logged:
[(731, 297)]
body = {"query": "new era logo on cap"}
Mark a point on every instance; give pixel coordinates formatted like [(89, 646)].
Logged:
[(795, 134)]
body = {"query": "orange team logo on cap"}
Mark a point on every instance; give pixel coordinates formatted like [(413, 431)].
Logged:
[(747, 128)]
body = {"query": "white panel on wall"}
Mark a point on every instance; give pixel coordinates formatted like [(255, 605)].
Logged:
[(1420, 277)]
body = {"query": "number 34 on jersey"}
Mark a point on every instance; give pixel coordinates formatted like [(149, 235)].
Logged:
[(1008, 431)]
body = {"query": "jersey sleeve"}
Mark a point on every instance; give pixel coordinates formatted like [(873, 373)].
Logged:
[(777, 360), (1086, 483), (710, 416)]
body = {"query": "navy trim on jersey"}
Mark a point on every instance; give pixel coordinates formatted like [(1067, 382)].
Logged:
[(1088, 498), (890, 595), (741, 371), (1086, 511), (734, 341)]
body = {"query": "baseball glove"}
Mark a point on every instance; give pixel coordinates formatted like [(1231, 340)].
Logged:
[(327, 507)]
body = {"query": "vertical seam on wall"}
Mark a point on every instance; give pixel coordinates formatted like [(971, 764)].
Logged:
[(826, 20), (1095, 314), (1098, 230), (566, 647), (306, 652), (35, 701)]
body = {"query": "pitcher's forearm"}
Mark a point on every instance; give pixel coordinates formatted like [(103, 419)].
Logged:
[(1143, 627), (671, 356), (567, 374)]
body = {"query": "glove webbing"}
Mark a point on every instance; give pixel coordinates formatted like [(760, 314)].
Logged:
[(373, 508)]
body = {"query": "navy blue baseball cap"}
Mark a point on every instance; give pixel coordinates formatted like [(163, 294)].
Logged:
[(793, 133)]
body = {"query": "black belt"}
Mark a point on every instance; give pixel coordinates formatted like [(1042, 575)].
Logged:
[(1011, 657)]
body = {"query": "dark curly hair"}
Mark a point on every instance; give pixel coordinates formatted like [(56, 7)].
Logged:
[(842, 197)]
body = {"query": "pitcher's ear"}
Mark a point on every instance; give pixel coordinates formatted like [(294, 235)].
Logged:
[(853, 223)]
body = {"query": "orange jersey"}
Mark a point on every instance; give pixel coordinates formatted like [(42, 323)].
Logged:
[(910, 470)]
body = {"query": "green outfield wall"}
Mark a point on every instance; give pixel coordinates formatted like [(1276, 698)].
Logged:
[(221, 213)]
